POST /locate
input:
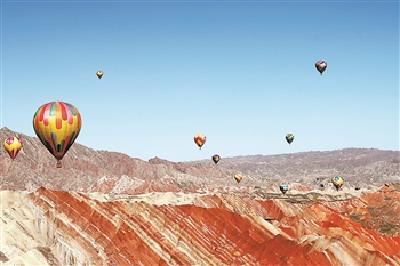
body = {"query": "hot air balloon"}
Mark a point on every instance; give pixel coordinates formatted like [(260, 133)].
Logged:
[(321, 66), (216, 158), (338, 182), (200, 140), (238, 178), (12, 145), (289, 138), (99, 74), (284, 188), (57, 124)]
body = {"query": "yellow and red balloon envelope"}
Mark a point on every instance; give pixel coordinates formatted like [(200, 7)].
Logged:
[(13, 145), (199, 140), (57, 124)]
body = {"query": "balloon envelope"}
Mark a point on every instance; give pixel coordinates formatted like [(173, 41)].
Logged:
[(238, 178), (338, 182), (57, 124), (289, 138), (216, 158), (321, 66), (99, 74), (12, 145), (284, 188), (199, 140)]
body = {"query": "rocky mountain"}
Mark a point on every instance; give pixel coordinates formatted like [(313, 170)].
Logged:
[(85, 169), (105, 208), (49, 227)]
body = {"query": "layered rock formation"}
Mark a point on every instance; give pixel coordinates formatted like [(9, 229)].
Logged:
[(105, 208), (49, 227)]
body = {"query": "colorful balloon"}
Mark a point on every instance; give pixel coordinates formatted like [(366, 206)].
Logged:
[(321, 66), (57, 124), (216, 158), (338, 182), (284, 188), (289, 138), (13, 145), (199, 140), (99, 74), (238, 178)]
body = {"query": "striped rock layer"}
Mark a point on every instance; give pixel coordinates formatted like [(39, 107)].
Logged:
[(48, 227)]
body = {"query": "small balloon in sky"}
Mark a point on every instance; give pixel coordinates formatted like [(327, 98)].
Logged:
[(284, 188), (289, 138), (99, 74), (216, 158), (321, 66), (199, 140), (13, 145), (338, 182), (238, 178)]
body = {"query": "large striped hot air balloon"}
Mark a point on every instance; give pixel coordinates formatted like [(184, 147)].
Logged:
[(57, 125), (13, 145)]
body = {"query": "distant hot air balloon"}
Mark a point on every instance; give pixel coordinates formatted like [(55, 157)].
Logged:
[(284, 188), (12, 145), (200, 140), (321, 66), (57, 124), (99, 74), (338, 182), (289, 138), (216, 158), (238, 178)]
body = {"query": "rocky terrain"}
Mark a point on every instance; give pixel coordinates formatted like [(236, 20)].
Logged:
[(105, 208), (49, 227), (88, 170)]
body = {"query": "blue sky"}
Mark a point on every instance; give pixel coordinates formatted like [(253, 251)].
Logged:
[(241, 73)]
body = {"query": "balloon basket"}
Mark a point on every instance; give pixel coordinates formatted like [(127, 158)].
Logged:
[(59, 165)]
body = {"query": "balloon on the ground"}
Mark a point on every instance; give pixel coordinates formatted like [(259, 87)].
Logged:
[(57, 124)]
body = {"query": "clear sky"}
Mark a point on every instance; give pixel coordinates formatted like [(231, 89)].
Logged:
[(240, 72)]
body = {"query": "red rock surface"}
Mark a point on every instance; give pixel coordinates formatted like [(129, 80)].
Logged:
[(220, 229), (214, 222)]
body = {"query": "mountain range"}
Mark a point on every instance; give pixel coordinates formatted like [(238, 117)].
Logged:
[(87, 170)]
